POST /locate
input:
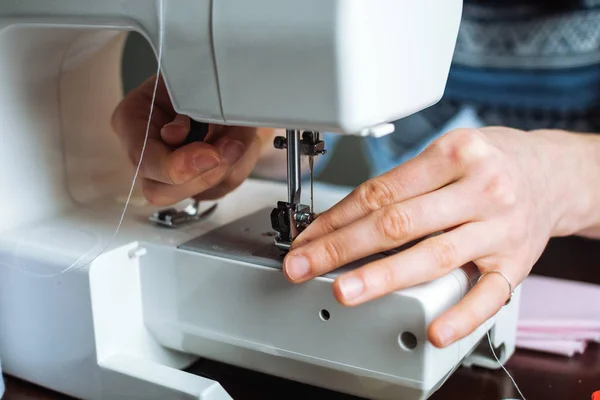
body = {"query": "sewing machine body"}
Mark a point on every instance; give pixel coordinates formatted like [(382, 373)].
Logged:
[(127, 323)]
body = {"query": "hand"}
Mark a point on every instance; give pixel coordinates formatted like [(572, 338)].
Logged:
[(205, 171), (497, 194)]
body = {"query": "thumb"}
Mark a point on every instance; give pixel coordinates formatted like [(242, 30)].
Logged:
[(175, 132)]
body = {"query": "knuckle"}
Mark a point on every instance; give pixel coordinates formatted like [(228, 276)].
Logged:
[(333, 252), (375, 193), (470, 319), (515, 239), (394, 224), (377, 279), (326, 223), (174, 173), (500, 189), (445, 254), (465, 147), (386, 279)]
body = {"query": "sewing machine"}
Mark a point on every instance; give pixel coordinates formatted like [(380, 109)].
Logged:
[(99, 316)]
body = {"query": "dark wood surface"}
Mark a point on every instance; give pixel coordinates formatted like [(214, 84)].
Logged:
[(539, 376)]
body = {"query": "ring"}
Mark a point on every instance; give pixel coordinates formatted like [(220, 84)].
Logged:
[(510, 287)]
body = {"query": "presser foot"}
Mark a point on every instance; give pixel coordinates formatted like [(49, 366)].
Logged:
[(174, 218), (289, 220)]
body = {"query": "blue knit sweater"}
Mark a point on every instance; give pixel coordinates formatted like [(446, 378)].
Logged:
[(525, 64)]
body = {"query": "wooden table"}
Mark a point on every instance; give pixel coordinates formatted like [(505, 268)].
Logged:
[(539, 376)]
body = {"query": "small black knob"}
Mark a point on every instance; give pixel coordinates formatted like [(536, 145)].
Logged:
[(280, 142), (198, 132)]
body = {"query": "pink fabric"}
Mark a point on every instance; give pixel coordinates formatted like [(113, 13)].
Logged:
[(558, 316), (559, 335), (560, 347)]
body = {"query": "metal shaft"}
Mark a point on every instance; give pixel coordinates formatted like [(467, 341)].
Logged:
[(311, 161), (294, 172)]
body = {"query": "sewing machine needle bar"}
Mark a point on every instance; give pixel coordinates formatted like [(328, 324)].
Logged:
[(311, 161), (294, 170)]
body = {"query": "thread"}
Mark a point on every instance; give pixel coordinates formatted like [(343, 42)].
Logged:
[(489, 338), (160, 15), (502, 365)]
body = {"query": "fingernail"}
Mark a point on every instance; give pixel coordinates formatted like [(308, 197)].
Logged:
[(351, 288), (297, 267), (233, 151), (205, 162), (445, 334)]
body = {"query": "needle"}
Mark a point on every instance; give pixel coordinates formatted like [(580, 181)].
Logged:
[(310, 164)]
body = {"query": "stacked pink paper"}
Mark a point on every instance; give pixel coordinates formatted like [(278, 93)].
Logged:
[(558, 316)]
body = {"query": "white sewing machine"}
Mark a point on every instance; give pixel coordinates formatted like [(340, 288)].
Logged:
[(127, 323)]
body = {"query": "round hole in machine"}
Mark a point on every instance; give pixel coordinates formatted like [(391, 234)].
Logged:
[(324, 315), (408, 341)]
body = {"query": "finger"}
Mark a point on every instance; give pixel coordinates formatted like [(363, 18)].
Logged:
[(440, 164), (163, 194), (234, 142), (130, 121), (237, 175), (394, 186), (176, 167), (426, 261), (227, 186), (384, 229), (187, 163), (162, 99), (481, 303), (215, 182), (175, 133), (130, 118)]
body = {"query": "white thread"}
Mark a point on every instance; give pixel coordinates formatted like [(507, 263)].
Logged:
[(496, 357), (489, 342), (137, 170), (500, 363)]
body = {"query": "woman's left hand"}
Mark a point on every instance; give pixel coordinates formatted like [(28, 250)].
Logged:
[(497, 194)]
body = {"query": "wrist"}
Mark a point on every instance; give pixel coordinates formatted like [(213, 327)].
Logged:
[(573, 183), (590, 225)]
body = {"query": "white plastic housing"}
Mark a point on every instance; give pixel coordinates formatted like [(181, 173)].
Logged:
[(327, 65), (336, 65), (127, 324), (251, 316)]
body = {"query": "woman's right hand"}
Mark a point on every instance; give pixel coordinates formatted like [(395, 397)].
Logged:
[(171, 172)]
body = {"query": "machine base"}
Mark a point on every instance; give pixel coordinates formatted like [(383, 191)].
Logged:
[(222, 296), (132, 321)]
